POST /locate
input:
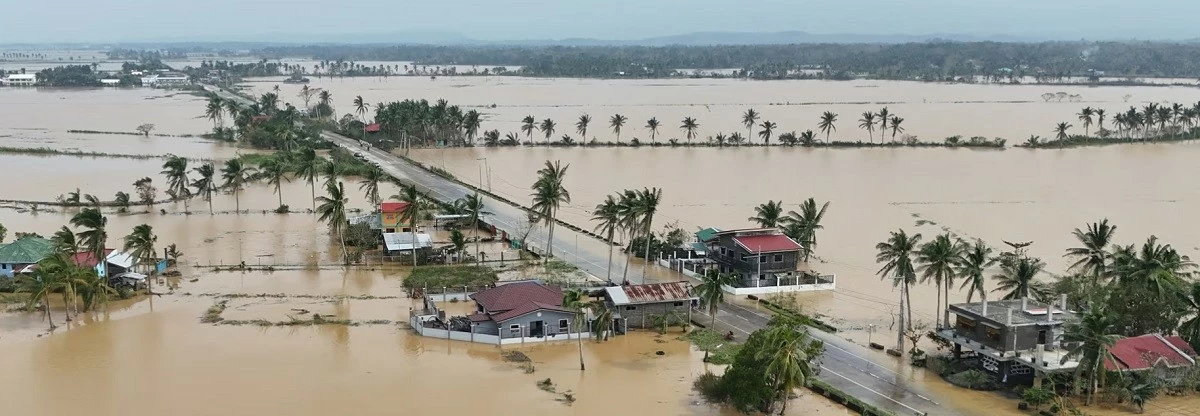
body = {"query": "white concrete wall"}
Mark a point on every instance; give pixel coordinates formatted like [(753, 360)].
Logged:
[(778, 289), (416, 323)]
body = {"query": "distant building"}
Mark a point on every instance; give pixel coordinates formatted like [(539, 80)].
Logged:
[(640, 306), (110, 82), (18, 80), (764, 260), (23, 253), (166, 79)]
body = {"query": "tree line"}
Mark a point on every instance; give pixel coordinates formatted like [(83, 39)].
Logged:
[(1152, 122)]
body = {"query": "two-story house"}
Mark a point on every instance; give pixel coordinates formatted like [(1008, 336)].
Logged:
[(1017, 340), (758, 257)]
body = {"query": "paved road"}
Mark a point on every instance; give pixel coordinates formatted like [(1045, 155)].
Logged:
[(847, 366)]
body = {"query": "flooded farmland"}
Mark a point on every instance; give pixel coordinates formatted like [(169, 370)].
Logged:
[(154, 356)]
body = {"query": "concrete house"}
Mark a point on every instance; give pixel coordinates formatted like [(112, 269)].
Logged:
[(23, 253), (392, 217), (524, 309), (17, 80), (1017, 340), (639, 306), (764, 260)]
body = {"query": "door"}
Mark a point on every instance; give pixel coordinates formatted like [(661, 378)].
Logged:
[(1042, 337), (537, 329)]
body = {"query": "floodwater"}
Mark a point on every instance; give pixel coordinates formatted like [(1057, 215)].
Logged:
[(930, 111), (57, 110)]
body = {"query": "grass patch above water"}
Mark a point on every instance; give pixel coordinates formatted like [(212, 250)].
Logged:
[(450, 277), (720, 350)]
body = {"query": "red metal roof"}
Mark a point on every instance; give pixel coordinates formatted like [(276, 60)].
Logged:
[(527, 308), (372, 128), (393, 206), (657, 292), (766, 243), (511, 296), (1145, 351), (86, 259)]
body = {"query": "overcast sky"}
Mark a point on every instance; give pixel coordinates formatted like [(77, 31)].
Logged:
[(308, 20)]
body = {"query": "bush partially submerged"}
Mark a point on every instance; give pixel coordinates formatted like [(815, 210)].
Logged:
[(450, 276)]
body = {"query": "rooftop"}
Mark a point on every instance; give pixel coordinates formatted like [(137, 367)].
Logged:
[(649, 293), (1024, 312), (766, 243), (392, 207), (404, 241), (26, 250), (510, 296), (707, 234), (87, 259), (372, 128), (1146, 351)]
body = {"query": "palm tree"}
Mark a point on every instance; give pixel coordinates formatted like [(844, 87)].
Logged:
[(214, 110), (528, 125), (581, 126), (768, 215), (896, 127), (711, 293), (807, 137), (1190, 328), (471, 123), (603, 321), (205, 185), (175, 168), (608, 214), (1018, 276), (412, 213), (547, 128), (652, 125), (802, 226), (333, 211), (236, 174), (1092, 257), (325, 103), (94, 236), (308, 166), (826, 124), (458, 243), (748, 119), (140, 245), (93, 290), (1099, 119), (1061, 130), (361, 108), (1089, 341), (975, 261), (275, 171), (1156, 266), (40, 286), (573, 299), (616, 122), (896, 255), (939, 258), (370, 185), (648, 200), (474, 208), (629, 210), (867, 122), (886, 116), (548, 195), (1085, 116), (689, 127), (788, 355), (768, 127)]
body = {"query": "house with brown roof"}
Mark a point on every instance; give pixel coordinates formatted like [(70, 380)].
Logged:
[(526, 309), (642, 306), (764, 260)]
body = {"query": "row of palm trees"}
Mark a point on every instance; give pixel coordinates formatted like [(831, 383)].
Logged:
[(59, 272), (1152, 120), (629, 213), (424, 123)]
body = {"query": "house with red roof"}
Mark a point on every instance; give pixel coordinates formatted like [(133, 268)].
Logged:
[(764, 260), (372, 128), (525, 309), (392, 217), (1168, 358)]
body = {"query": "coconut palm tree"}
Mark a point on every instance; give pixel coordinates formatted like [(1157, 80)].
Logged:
[(768, 127), (749, 118), (412, 213), (652, 125), (528, 125), (370, 185), (648, 200), (175, 168), (236, 174), (802, 226), (608, 216), (332, 210), (885, 116), (789, 356), (458, 243), (867, 122), (471, 122), (1018, 276), (206, 185), (325, 104), (581, 126), (604, 319), (140, 245), (1085, 116), (768, 215), (473, 206), (616, 122), (1190, 328), (896, 256), (895, 127), (1092, 257), (975, 261), (547, 128), (1099, 119), (938, 260), (573, 300), (549, 193), (275, 171), (93, 290), (1060, 130), (689, 127), (308, 167), (826, 125), (711, 293), (1089, 341), (39, 287), (94, 236), (214, 110), (629, 210), (361, 108), (1156, 266)]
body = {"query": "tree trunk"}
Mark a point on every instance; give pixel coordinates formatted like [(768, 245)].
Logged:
[(579, 337), (610, 254), (646, 259), (937, 317), (908, 303), (628, 256), (210, 209), (712, 310), (278, 191), (67, 302), (478, 259), (946, 308), (342, 237), (550, 236), (413, 232), (237, 201), (900, 330), (312, 186)]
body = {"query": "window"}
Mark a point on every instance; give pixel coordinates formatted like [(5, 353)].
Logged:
[(563, 325), (966, 324), (1020, 369), (778, 258), (990, 364), (992, 333), (631, 308), (762, 276), (723, 251), (514, 330), (678, 304), (762, 259)]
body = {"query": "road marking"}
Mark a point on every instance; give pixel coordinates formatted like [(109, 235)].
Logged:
[(823, 368)]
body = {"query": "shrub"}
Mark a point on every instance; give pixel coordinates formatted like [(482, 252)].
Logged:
[(1037, 396), (709, 386), (973, 379), (450, 276)]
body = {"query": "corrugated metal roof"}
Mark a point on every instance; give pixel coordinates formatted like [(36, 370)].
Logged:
[(707, 234), (653, 293), (404, 241), (616, 295), (26, 250)]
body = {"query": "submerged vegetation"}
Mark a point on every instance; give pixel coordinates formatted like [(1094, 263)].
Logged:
[(437, 277)]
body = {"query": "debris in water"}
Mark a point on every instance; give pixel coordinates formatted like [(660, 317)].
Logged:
[(546, 385), (660, 352), (515, 356)]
